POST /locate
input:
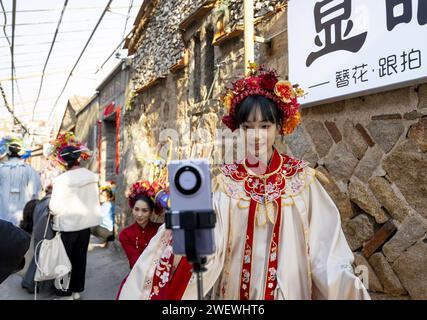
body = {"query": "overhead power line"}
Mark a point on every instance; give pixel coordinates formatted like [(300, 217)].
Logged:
[(56, 63), (12, 49), (48, 56), (123, 39), (47, 22), (74, 8), (50, 42), (15, 119), (51, 33), (81, 54)]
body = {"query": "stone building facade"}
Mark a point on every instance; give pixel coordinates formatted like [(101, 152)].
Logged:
[(86, 129), (98, 123), (371, 150), (111, 98)]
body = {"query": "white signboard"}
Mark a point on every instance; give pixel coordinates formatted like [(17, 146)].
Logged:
[(347, 48)]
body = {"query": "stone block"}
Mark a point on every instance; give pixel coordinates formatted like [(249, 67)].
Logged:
[(339, 197), (386, 275), (299, 142), (422, 96), (412, 115), (341, 162), (410, 231), (368, 164), (334, 131), (406, 167), (354, 140), (383, 191), (320, 137), (358, 230), (418, 134), (366, 201), (365, 134), (386, 133), (411, 268)]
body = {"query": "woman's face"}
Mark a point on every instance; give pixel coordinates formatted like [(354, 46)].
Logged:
[(103, 197), (258, 136), (141, 212)]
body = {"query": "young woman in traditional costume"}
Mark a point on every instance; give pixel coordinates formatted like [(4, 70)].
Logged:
[(75, 207), (135, 238), (142, 201), (278, 233)]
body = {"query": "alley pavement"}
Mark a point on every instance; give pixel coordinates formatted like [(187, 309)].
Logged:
[(106, 268)]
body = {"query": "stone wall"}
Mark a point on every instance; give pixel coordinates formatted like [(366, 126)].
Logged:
[(154, 58), (161, 46), (371, 152)]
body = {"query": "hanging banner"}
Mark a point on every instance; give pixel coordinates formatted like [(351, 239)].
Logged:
[(345, 48), (118, 139)]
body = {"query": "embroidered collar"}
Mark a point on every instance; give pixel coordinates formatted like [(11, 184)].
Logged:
[(269, 186)]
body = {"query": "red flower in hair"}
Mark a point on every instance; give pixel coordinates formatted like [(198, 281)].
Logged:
[(268, 81)]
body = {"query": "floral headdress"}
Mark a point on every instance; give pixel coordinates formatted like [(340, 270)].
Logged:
[(156, 191), (5, 142), (109, 186), (64, 140), (264, 82)]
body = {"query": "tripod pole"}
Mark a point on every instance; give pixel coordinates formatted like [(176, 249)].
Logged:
[(200, 285)]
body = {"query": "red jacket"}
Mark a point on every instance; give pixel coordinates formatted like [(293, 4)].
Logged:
[(134, 239)]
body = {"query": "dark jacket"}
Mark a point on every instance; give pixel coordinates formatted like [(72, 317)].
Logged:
[(14, 243)]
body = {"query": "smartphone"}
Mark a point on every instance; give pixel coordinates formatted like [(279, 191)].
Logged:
[(190, 190)]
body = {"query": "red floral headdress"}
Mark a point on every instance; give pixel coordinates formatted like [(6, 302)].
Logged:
[(60, 143), (264, 82), (150, 190)]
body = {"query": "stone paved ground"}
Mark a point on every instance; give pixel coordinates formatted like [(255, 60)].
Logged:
[(105, 271)]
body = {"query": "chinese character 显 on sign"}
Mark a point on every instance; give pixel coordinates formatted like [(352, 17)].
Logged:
[(325, 19)]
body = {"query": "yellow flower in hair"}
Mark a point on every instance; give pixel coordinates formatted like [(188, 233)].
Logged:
[(299, 92), (284, 90), (252, 67), (227, 100)]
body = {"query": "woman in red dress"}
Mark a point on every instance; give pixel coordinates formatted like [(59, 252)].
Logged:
[(135, 238)]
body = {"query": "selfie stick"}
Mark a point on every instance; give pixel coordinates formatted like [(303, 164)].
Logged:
[(191, 222)]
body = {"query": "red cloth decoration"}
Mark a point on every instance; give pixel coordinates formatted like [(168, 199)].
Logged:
[(118, 139), (109, 109)]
